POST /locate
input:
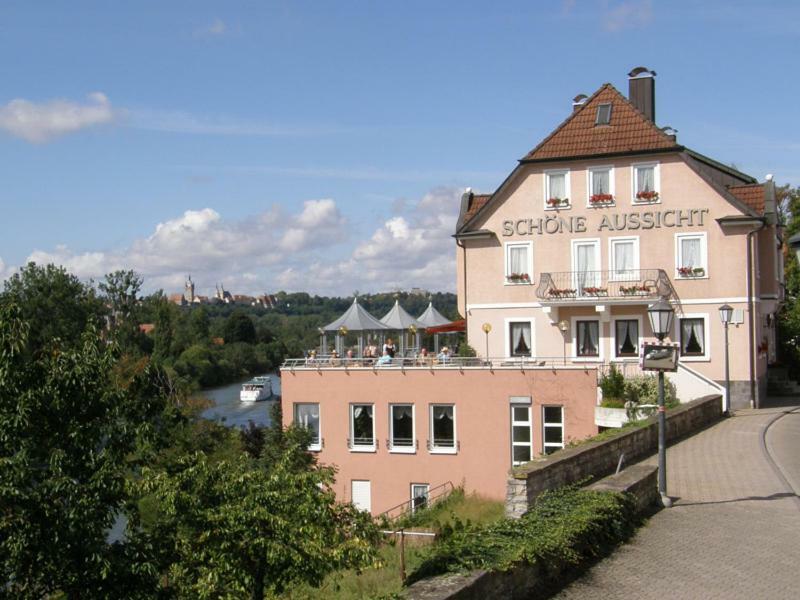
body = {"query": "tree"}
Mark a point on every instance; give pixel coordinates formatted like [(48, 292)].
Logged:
[(69, 424), (241, 527), (789, 315), (239, 328), (54, 303), (121, 293)]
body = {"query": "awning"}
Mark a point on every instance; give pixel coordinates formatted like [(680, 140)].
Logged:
[(453, 327)]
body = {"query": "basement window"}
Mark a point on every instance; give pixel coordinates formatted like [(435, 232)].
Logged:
[(603, 115)]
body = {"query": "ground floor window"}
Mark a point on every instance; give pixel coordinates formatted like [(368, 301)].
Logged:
[(588, 338), (443, 427), (419, 495), (361, 494), (626, 337), (692, 336), (521, 434), (553, 428), (362, 427), (519, 334), (307, 415), (401, 434)]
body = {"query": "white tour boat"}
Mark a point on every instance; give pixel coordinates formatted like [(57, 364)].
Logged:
[(257, 389)]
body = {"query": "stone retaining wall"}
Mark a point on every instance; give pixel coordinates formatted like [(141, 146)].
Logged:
[(596, 459)]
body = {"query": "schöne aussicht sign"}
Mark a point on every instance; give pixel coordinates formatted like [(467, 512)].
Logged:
[(693, 217)]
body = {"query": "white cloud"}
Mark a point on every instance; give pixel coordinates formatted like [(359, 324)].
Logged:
[(215, 29), (38, 123), (279, 250), (628, 14)]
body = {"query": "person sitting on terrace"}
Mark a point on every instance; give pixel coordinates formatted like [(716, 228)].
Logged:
[(312, 357), (334, 358), (349, 358), (385, 360), (444, 355), (422, 357), (389, 347)]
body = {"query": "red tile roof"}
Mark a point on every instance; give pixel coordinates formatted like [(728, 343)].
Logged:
[(476, 202), (628, 131), (752, 195)]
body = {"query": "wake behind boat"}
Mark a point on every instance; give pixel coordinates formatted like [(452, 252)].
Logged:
[(257, 389)]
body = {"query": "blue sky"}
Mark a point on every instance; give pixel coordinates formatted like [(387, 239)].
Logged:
[(323, 146)]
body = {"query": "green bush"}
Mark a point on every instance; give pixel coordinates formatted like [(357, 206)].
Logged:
[(643, 389), (613, 383), (613, 402), (566, 528)]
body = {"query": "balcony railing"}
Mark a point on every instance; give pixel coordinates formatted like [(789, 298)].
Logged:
[(633, 284)]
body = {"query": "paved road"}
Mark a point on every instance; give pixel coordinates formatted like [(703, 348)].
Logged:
[(734, 531)]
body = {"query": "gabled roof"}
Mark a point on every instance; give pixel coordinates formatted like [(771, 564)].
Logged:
[(356, 318), (629, 131), (398, 318), (752, 195), (432, 317)]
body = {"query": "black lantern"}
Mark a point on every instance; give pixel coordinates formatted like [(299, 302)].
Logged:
[(660, 315)]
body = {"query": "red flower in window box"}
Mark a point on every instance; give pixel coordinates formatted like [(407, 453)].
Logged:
[(556, 202), (691, 271), (647, 195), (601, 198), (518, 278)]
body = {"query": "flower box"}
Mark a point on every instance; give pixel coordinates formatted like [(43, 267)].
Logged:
[(691, 271), (595, 199), (634, 290), (561, 292), (518, 278), (557, 202), (595, 291), (647, 196)]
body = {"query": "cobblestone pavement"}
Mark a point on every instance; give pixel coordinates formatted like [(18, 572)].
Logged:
[(734, 531)]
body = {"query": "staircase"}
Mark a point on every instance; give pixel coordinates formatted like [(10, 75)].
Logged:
[(780, 384)]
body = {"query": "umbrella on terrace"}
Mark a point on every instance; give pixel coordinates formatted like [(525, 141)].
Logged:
[(399, 319), (355, 318), (433, 318)]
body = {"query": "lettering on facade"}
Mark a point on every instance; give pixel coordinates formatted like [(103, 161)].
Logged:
[(617, 222)]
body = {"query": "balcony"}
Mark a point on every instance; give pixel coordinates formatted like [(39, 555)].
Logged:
[(592, 287)]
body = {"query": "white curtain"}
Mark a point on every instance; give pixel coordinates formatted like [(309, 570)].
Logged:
[(627, 337), (600, 184), (557, 186), (518, 260), (645, 179), (520, 338), (307, 415), (585, 265), (402, 412), (692, 336), (588, 340), (690, 252), (623, 258)]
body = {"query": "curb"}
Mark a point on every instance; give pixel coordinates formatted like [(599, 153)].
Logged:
[(775, 466)]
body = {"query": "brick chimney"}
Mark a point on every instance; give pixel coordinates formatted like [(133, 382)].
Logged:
[(642, 91)]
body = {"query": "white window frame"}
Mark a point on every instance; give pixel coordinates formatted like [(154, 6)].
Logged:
[(403, 449), (362, 448), (521, 402), (427, 487), (567, 188), (545, 425), (612, 267), (613, 336), (600, 340), (507, 270), (656, 180), (574, 259), (443, 449), (611, 187), (507, 334), (369, 489), (706, 357), (703, 253), (312, 446)]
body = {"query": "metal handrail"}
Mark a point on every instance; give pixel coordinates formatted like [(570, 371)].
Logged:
[(452, 362), (597, 285), (435, 494)]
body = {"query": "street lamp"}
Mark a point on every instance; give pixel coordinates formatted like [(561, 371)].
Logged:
[(563, 325), (660, 315), (725, 314), (321, 341), (487, 327), (342, 333)]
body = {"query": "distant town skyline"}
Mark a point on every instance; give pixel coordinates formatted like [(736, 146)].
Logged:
[(322, 147)]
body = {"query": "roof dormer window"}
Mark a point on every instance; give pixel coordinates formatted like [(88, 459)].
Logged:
[(603, 114)]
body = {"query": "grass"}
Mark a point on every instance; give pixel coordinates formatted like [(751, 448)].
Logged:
[(385, 582)]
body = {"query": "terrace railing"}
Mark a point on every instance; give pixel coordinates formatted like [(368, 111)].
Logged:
[(632, 284)]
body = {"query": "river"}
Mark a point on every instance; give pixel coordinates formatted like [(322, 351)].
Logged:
[(231, 411)]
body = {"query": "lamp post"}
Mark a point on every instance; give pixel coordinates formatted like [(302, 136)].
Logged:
[(342, 333), (487, 327), (725, 314), (321, 341), (660, 315), (563, 326), (412, 330)]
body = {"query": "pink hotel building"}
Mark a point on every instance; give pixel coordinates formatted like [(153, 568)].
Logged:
[(555, 271)]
